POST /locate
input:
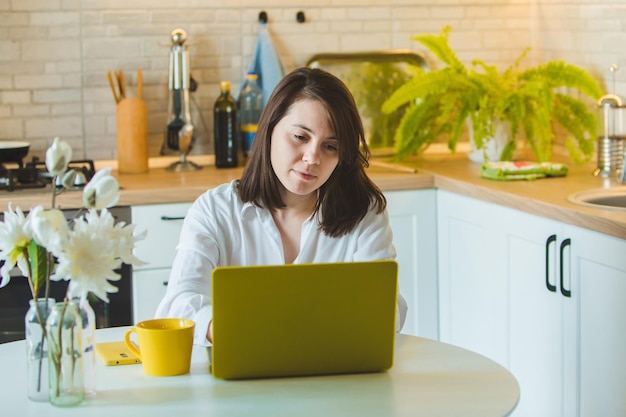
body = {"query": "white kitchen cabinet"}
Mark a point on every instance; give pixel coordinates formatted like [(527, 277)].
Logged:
[(472, 276), (148, 289), (542, 314), (494, 298), (163, 223), (599, 277), (555, 316), (412, 215)]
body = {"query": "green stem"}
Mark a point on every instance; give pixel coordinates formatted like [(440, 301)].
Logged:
[(34, 292), (59, 352), (54, 193)]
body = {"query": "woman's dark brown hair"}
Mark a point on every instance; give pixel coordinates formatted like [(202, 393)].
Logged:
[(348, 194)]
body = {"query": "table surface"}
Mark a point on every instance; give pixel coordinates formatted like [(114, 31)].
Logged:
[(428, 378)]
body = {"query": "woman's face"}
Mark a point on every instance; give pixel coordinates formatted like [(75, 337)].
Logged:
[(304, 150)]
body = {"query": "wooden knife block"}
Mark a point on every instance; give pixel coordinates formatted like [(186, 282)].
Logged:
[(132, 136)]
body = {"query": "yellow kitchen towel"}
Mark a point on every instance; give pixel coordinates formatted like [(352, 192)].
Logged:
[(522, 170)]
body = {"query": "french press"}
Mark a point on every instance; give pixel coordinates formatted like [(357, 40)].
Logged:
[(612, 134), (179, 133)]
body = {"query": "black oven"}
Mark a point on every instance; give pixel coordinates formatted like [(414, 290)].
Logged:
[(15, 296)]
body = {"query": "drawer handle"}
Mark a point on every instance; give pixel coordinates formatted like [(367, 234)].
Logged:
[(165, 283), (168, 218), (564, 244), (551, 240)]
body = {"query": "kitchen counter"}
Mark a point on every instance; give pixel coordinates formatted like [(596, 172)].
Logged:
[(545, 197), (453, 172)]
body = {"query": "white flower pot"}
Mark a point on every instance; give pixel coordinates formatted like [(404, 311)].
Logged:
[(493, 147)]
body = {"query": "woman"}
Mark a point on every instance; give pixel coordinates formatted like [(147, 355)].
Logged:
[(303, 197)]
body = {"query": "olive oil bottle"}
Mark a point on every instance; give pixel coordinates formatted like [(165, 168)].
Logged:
[(225, 128)]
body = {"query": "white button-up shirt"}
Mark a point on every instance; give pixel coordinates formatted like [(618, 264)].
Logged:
[(221, 230)]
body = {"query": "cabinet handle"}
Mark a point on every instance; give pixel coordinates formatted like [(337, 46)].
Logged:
[(564, 244), (551, 240), (168, 218)]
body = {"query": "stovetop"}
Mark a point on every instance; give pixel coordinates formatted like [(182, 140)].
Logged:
[(33, 176)]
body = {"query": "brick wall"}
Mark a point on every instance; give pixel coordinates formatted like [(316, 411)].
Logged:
[(54, 54)]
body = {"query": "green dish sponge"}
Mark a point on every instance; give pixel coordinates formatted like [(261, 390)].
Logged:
[(521, 170)]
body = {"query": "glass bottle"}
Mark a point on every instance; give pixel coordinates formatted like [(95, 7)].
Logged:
[(65, 355), (225, 128), (250, 105), (88, 318), (37, 348)]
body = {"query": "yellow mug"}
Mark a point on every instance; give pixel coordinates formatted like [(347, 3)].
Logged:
[(164, 345)]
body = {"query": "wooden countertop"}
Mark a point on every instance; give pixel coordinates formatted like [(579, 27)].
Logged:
[(546, 197), (452, 172)]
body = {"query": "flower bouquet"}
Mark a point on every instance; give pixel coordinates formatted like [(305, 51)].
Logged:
[(84, 250)]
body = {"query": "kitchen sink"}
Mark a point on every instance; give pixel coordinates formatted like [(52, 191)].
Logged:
[(603, 198)]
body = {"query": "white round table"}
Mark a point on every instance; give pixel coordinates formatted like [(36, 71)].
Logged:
[(428, 378)]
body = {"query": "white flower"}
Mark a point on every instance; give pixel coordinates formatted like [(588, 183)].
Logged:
[(126, 238), (88, 252), (102, 191), (88, 259), (58, 157), (68, 178), (49, 228), (14, 238)]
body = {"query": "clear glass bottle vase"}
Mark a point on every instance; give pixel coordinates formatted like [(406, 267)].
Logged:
[(65, 355), (88, 318), (37, 348)]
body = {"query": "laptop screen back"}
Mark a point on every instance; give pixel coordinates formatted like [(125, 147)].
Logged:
[(303, 319)]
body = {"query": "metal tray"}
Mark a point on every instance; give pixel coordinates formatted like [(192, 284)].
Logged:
[(371, 77)]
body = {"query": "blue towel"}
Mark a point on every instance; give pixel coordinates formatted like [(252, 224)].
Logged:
[(266, 63)]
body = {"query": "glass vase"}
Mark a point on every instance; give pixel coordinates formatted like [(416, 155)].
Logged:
[(88, 318), (37, 348), (65, 355)]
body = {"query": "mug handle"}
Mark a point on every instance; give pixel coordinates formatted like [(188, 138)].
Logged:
[(129, 344)]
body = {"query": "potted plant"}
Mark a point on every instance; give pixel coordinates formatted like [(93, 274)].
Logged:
[(442, 102)]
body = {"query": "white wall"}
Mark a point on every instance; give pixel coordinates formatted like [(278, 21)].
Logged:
[(54, 54)]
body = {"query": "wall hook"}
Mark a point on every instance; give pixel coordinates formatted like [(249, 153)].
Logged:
[(300, 17), (263, 17)]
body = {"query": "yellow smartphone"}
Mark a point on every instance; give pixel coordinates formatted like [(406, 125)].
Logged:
[(116, 353)]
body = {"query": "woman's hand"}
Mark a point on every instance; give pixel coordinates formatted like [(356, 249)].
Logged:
[(209, 332)]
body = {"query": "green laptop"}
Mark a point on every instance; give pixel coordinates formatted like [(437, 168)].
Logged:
[(303, 319)]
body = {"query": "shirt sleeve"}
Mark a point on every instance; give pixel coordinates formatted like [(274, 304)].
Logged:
[(375, 242), (188, 293)]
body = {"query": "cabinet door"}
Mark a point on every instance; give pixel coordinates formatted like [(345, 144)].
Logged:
[(473, 282), (540, 314), (148, 289), (412, 215), (163, 223), (599, 271)]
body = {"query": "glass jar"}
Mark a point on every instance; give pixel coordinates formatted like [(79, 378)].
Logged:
[(65, 355), (37, 348), (88, 318)]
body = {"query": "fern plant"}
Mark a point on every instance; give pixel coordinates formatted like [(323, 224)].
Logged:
[(441, 102)]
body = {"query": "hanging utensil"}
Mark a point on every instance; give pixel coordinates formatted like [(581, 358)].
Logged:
[(121, 82), (139, 83), (113, 87)]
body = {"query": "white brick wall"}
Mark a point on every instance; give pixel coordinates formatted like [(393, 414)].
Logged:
[(54, 54)]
